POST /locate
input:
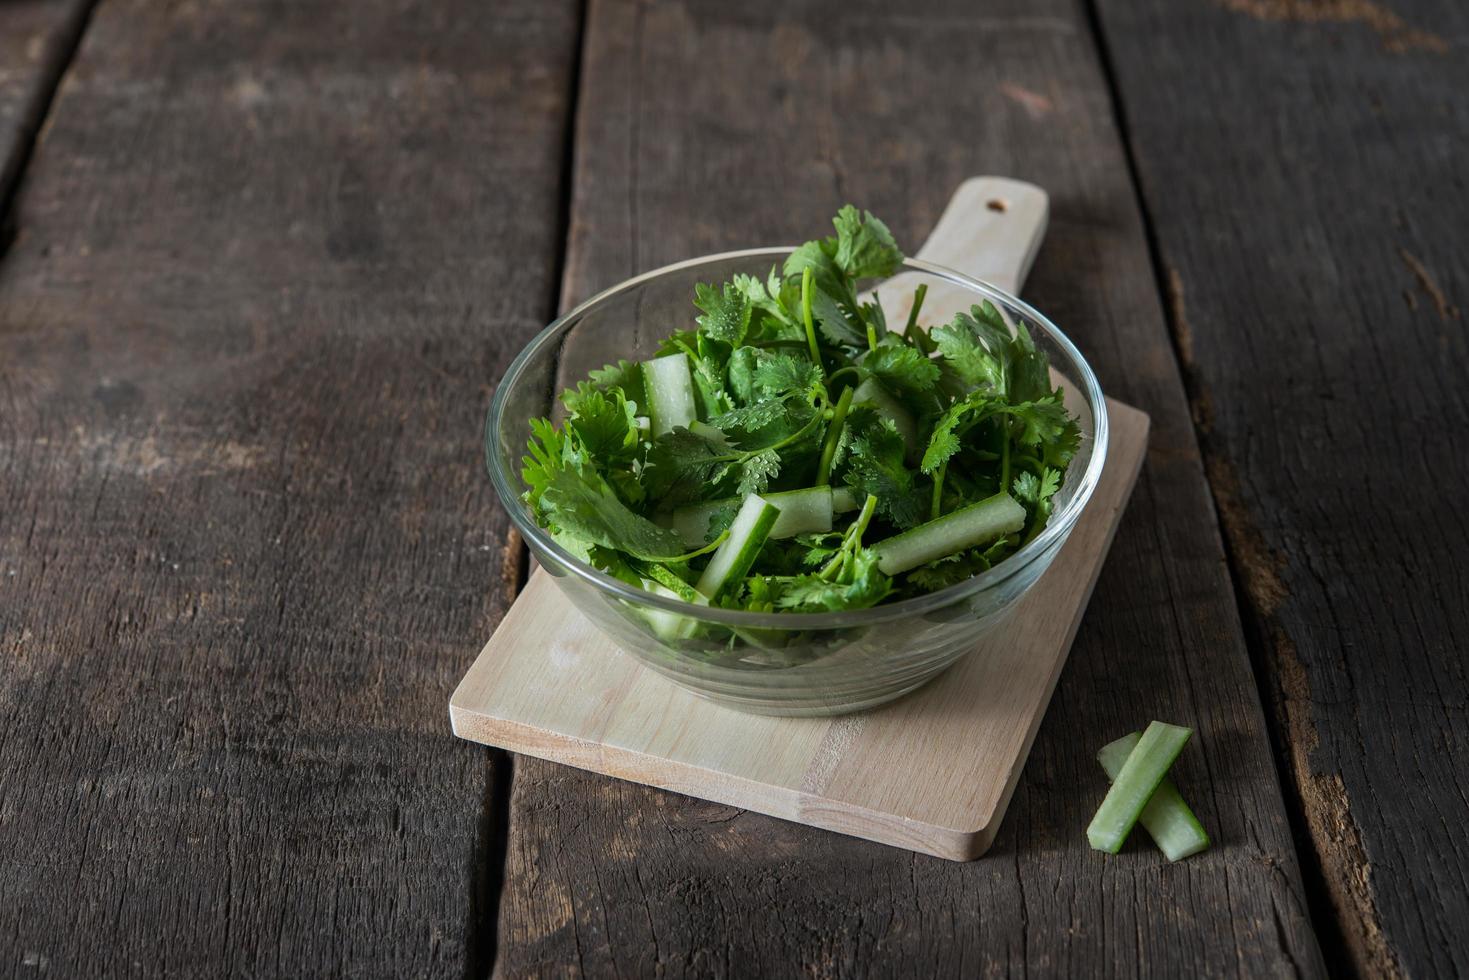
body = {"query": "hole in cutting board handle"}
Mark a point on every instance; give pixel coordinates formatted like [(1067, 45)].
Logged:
[(996, 204)]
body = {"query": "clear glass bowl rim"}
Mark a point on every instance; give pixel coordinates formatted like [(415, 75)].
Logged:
[(507, 484)]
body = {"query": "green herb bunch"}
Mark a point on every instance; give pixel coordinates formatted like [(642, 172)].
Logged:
[(793, 452)]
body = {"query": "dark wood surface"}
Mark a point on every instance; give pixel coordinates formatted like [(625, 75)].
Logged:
[(1311, 221), (268, 260), (37, 38), (859, 102)]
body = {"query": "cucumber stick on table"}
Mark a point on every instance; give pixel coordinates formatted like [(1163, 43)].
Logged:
[(1138, 779), (1166, 818)]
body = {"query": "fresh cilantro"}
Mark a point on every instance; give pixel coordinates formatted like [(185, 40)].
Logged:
[(772, 411), (757, 471), (572, 499), (682, 467), (949, 570), (958, 418), (876, 466), (836, 324), (726, 313), (865, 247), (624, 376), (901, 368), (605, 421), (780, 375)]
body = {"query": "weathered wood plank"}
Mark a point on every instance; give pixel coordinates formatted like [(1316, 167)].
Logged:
[(270, 257), (708, 126), (1304, 166), (36, 37)]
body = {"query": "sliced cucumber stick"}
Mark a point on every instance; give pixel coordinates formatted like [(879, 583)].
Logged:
[(667, 625), (1166, 818), (670, 391), (844, 500), (979, 523), (747, 535), (804, 511), (1138, 779)]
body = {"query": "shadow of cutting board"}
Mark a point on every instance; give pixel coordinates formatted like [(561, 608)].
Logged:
[(931, 772)]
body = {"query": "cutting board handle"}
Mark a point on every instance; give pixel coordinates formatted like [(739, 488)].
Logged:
[(991, 230)]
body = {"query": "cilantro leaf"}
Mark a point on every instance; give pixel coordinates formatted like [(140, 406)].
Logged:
[(752, 417), (684, 467), (578, 502), (1030, 370), (876, 467), (1037, 490), (958, 418), (901, 368), (826, 274), (1041, 422), (740, 373), (726, 313), (865, 247), (783, 374), (834, 323), (757, 471), (777, 301), (625, 376), (975, 346), (548, 453), (863, 586), (571, 499), (949, 570), (604, 421)]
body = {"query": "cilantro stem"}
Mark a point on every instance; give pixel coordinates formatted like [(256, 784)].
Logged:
[(851, 541), (912, 315), (702, 551), (1004, 455), (935, 507), (859, 527), (850, 369), (807, 280), (872, 330), (833, 436)]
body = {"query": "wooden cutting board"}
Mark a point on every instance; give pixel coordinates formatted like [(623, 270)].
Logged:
[(931, 772)]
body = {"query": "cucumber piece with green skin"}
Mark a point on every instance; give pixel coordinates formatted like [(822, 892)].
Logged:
[(1166, 818), (804, 511), (747, 535), (869, 392), (670, 390), (667, 625), (843, 500), (979, 523), (1145, 769)]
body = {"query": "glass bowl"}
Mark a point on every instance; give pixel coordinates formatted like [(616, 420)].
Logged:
[(779, 663)]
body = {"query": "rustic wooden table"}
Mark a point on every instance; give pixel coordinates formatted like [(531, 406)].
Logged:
[(264, 262)]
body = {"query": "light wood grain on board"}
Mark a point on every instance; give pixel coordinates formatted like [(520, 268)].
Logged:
[(931, 772)]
